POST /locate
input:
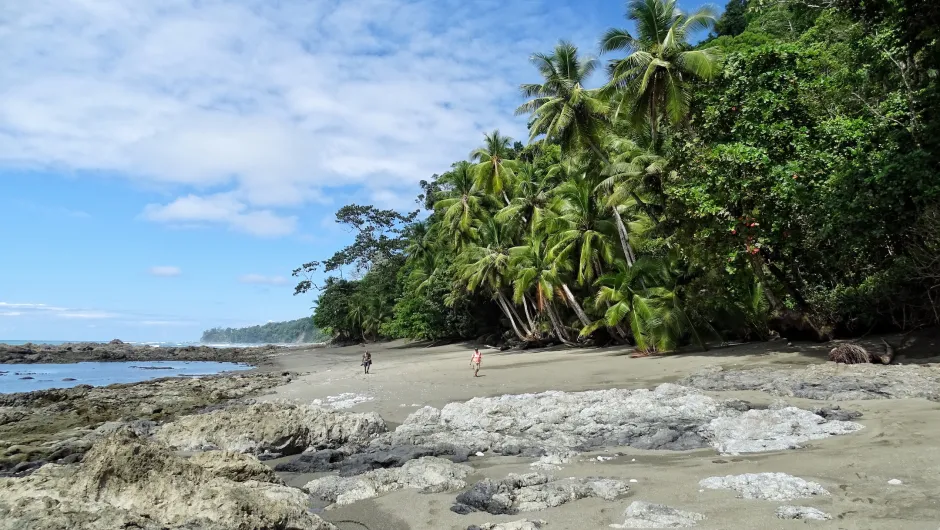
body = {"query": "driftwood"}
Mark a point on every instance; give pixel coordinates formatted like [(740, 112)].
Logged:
[(849, 353)]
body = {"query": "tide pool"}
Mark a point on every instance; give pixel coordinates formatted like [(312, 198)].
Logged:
[(29, 377)]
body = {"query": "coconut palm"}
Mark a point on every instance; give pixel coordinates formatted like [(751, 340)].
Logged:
[(463, 205), (494, 169), (561, 108), (537, 271), (529, 206), (486, 265), (652, 80), (580, 231)]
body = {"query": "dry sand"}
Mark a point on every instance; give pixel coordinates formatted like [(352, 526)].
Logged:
[(901, 439)]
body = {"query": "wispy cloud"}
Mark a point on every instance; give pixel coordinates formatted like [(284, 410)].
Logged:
[(48, 312), (223, 209), (165, 271), (262, 279), (247, 109), (167, 323)]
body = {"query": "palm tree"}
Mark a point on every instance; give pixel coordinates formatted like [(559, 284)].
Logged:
[(652, 81), (536, 271), (487, 265), (579, 229), (645, 296), (463, 205), (561, 108), (529, 206), (494, 169)]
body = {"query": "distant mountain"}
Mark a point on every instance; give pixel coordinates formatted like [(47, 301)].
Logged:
[(300, 331)]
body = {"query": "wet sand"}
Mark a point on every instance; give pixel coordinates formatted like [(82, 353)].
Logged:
[(901, 439)]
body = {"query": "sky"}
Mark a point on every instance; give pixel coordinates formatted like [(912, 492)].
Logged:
[(165, 164)]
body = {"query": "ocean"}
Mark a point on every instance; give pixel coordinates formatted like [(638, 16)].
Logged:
[(29, 377), (156, 344)]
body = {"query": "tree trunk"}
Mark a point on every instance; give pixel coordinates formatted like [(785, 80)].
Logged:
[(525, 305), (582, 316), (512, 308), (508, 314), (556, 323), (624, 238)]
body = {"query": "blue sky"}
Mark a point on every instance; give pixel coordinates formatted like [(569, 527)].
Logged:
[(165, 164)]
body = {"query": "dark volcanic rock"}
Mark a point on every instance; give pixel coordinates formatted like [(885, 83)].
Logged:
[(119, 351), (372, 458)]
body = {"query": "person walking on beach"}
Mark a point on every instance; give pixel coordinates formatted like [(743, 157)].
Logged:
[(366, 361), (476, 361)]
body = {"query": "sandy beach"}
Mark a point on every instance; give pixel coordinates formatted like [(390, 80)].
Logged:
[(899, 440), (590, 432)]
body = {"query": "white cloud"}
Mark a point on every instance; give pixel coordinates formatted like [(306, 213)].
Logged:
[(165, 271), (221, 209), (263, 280), (44, 311), (166, 323), (271, 103), (88, 315)]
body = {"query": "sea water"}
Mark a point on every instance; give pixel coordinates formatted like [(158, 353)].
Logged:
[(29, 377)]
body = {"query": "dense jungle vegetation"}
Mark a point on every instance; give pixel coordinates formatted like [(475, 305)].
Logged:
[(301, 330), (781, 174)]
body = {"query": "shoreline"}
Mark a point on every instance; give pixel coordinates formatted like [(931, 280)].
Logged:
[(407, 377), (118, 351)]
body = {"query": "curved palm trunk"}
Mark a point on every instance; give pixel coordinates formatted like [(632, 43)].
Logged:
[(525, 305), (573, 303), (557, 324), (624, 238), (500, 299)]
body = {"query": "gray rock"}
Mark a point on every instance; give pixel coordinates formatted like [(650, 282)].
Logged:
[(128, 482), (377, 457), (756, 431), (647, 515), (533, 492), (766, 486), (427, 475), (828, 381), (802, 512), (669, 417), (525, 524), (270, 427)]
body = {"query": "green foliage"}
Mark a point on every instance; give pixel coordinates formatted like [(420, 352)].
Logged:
[(301, 330), (785, 166)]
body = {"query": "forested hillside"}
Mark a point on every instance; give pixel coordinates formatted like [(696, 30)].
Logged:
[(301, 330), (781, 174)]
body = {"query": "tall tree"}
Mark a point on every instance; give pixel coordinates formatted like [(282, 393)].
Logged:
[(652, 80), (494, 168), (561, 107)]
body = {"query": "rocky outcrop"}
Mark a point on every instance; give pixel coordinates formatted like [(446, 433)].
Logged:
[(669, 417), (427, 475), (766, 486), (237, 467), (59, 425), (525, 524), (805, 513), (532, 492), (827, 381), (648, 515), (120, 351), (128, 482), (373, 457), (280, 428)]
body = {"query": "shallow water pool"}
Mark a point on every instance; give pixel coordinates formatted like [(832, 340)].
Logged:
[(29, 377)]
